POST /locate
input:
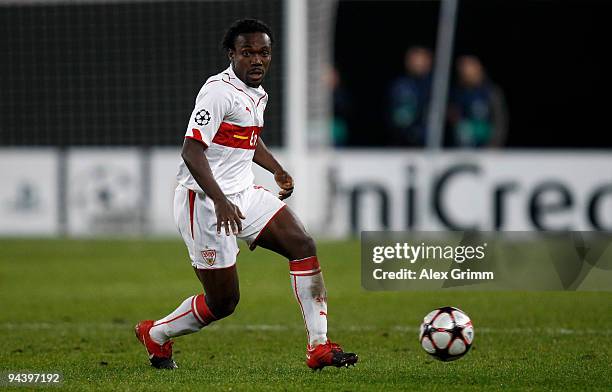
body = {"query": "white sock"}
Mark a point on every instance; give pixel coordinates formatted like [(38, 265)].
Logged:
[(309, 290), (191, 316)]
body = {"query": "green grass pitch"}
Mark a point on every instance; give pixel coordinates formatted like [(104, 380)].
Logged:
[(70, 306)]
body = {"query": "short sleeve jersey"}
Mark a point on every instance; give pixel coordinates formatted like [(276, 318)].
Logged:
[(227, 119)]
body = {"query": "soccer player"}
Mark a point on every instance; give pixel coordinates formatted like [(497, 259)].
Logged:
[(216, 203)]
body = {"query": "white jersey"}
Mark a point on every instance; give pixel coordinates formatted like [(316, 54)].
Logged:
[(227, 119)]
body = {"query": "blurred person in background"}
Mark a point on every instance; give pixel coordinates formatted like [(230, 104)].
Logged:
[(409, 98), (477, 112), (342, 106)]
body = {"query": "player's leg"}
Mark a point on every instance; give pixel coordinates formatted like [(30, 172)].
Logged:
[(196, 312), (207, 251), (193, 314), (222, 289), (285, 234), (190, 316)]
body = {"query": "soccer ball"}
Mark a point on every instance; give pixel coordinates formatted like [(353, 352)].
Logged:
[(446, 333)]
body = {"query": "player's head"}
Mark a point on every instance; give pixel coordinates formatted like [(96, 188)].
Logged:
[(248, 43)]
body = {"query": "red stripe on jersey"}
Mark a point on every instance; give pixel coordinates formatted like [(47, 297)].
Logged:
[(197, 134), (235, 136), (197, 140), (307, 264)]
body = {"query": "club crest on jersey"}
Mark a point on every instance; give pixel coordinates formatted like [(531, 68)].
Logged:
[(202, 117), (209, 255)]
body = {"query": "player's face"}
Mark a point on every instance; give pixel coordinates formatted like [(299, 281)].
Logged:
[(251, 57)]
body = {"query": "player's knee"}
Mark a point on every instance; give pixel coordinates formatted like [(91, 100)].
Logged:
[(230, 306), (223, 307), (310, 246)]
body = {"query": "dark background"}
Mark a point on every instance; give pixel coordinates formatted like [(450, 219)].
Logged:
[(547, 56), (127, 74), (118, 74)]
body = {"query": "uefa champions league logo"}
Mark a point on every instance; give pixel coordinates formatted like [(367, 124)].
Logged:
[(104, 198), (202, 117)]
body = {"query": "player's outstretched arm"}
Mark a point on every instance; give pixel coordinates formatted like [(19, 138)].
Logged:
[(264, 158), (227, 213)]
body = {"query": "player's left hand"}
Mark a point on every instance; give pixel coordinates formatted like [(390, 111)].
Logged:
[(285, 182)]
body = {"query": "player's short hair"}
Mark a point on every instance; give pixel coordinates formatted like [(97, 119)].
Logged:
[(244, 26)]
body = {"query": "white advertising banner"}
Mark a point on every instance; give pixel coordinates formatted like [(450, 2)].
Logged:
[(345, 191), (404, 190), (105, 191), (29, 192), (164, 166), (350, 191)]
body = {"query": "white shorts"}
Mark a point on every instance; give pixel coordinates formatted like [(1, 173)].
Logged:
[(194, 215)]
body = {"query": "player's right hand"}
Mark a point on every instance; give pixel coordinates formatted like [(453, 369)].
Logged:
[(228, 214)]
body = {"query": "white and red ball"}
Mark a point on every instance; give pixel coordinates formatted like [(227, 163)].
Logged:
[(446, 333)]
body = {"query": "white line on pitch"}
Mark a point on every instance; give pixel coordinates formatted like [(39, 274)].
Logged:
[(67, 326)]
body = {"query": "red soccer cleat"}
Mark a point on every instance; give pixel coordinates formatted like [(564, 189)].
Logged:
[(329, 354), (159, 355)]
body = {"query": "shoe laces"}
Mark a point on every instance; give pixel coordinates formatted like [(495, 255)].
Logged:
[(334, 347)]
